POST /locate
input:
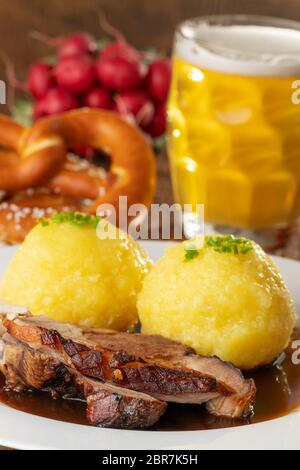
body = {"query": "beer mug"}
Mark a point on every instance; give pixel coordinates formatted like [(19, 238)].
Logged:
[(234, 124)]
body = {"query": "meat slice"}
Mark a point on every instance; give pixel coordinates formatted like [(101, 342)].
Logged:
[(107, 404), (145, 363)]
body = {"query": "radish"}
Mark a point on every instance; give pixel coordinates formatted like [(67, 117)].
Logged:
[(137, 103), (40, 79), (158, 79), (77, 44), (83, 151), (68, 46), (98, 98), (75, 74), (39, 109), (118, 73), (55, 101), (120, 49), (158, 125)]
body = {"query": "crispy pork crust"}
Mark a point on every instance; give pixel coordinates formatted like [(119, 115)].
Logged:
[(145, 363), (107, 404)]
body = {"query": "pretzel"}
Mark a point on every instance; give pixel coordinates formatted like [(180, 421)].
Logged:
[(19, 214), (71, 183), (80, 178), (23, 164), (132, 171)]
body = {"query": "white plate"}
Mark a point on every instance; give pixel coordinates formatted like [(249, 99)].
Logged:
[(24, 431)]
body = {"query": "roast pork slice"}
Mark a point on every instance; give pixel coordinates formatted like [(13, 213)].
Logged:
[(145, 363), (107, 404)]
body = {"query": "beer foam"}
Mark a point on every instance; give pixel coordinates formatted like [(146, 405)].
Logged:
[(240, 49)]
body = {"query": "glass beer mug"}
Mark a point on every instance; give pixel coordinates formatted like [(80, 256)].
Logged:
[(233, 125)]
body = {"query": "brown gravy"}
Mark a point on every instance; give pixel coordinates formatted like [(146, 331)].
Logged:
[(278, 393)]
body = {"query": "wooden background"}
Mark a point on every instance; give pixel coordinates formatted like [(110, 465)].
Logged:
[(143, 22)]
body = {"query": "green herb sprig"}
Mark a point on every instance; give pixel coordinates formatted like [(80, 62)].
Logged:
[(190, 253), (228, 244), (78, 219), (221, 244)]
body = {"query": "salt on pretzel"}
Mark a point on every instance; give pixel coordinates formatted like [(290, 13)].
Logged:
[(132, 170), (77, 185), (80, 178), (26, 164), (19, 214)]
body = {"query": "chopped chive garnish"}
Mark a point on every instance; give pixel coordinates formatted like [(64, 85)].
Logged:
[(77, 219), (221, 244), (228, 244), (190, 253)]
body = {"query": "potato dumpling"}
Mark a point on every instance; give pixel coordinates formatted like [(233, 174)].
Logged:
[(225, 299), (65, 271)]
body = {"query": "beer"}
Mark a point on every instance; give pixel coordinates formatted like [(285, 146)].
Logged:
[(234, 130)]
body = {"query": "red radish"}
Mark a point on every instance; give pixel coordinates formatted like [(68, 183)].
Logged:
[(83, 151), (135, 102), (119, 73), (75, 74), (56, 101), (120, 49), (158, 125), (77, 44), (98, 98), (40, 79), (145, 114), (158, 79), (130, 102), (39, 109)]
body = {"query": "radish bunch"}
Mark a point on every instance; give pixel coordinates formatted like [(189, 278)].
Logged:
[(117, 78)]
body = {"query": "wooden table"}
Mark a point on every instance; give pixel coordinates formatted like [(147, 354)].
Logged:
[(144, 23)]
